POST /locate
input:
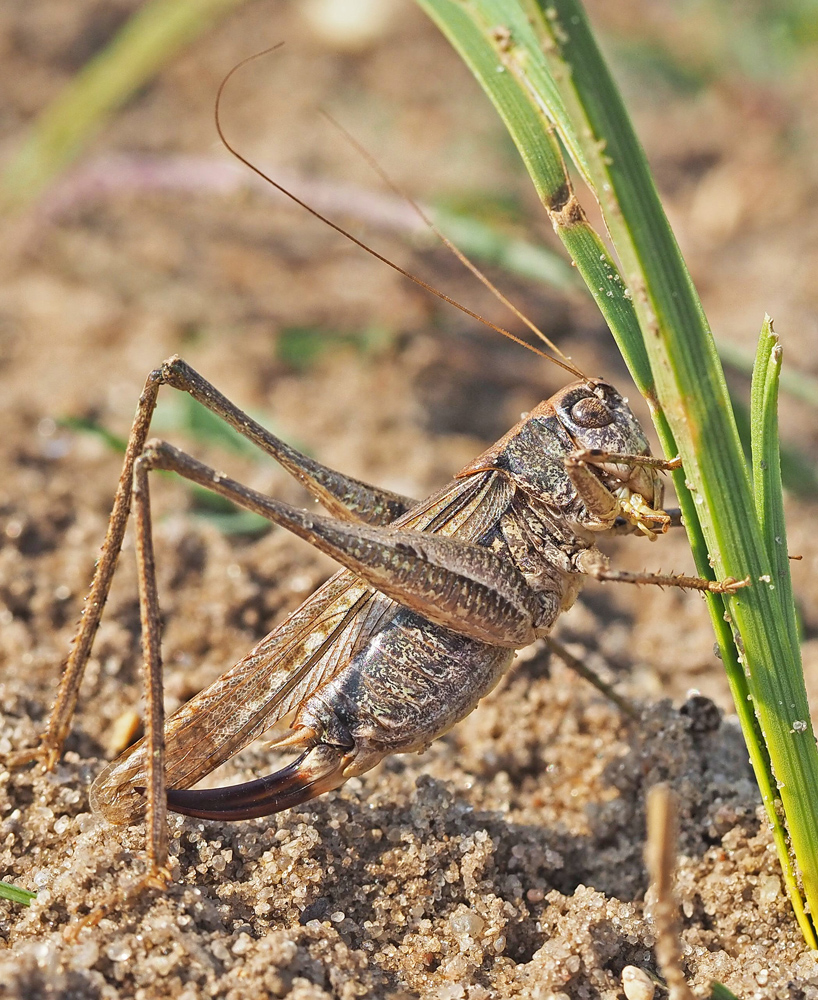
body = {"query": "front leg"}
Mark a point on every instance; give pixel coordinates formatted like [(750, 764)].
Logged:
[(637, 500), (635, 510), (622, 526), (596, 456), (591, 562)]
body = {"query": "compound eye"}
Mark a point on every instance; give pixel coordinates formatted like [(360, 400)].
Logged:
[(591, 412)]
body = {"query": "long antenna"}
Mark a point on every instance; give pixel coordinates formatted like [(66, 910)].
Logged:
[(566, 365), (423, 215)]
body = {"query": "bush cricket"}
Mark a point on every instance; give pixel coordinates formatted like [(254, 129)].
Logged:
[(421, 623)]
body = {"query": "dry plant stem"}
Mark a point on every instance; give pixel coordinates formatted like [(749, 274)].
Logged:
[(660, 857)]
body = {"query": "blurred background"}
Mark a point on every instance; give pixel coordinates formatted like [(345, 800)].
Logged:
[(130, 234)]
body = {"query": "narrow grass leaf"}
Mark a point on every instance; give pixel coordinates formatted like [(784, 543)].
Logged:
[(795, 384), (15, 894), (150, 38), (691, 390), (483, 42), (720, 992), (87, 425), (488, 244), (767, 476)]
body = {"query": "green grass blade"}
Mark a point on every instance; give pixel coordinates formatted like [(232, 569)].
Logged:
[(489, 245), (524, 117), (225, 516), (15, 894), (719, 992), (767, 471), (691, 389), (683, 381), (480, 30), (88, 425), (203, 425), (153, 35), (796, 384), (798, 474)]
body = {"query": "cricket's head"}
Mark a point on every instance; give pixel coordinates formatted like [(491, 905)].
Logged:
[(598, 418)]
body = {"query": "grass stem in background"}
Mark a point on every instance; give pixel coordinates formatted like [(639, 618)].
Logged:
[(155, 33)]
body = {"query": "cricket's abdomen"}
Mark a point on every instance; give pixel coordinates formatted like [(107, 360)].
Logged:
[(410, 684)]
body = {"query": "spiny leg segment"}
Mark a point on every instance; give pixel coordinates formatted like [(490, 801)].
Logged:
[(50, 747)]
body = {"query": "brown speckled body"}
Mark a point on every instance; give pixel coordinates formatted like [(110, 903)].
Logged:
[(387, 658)]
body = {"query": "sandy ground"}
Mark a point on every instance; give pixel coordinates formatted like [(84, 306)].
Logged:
[(507, 860)]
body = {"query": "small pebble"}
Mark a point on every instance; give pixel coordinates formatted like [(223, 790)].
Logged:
[(466, 922), (118, 951), (637, 984)]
